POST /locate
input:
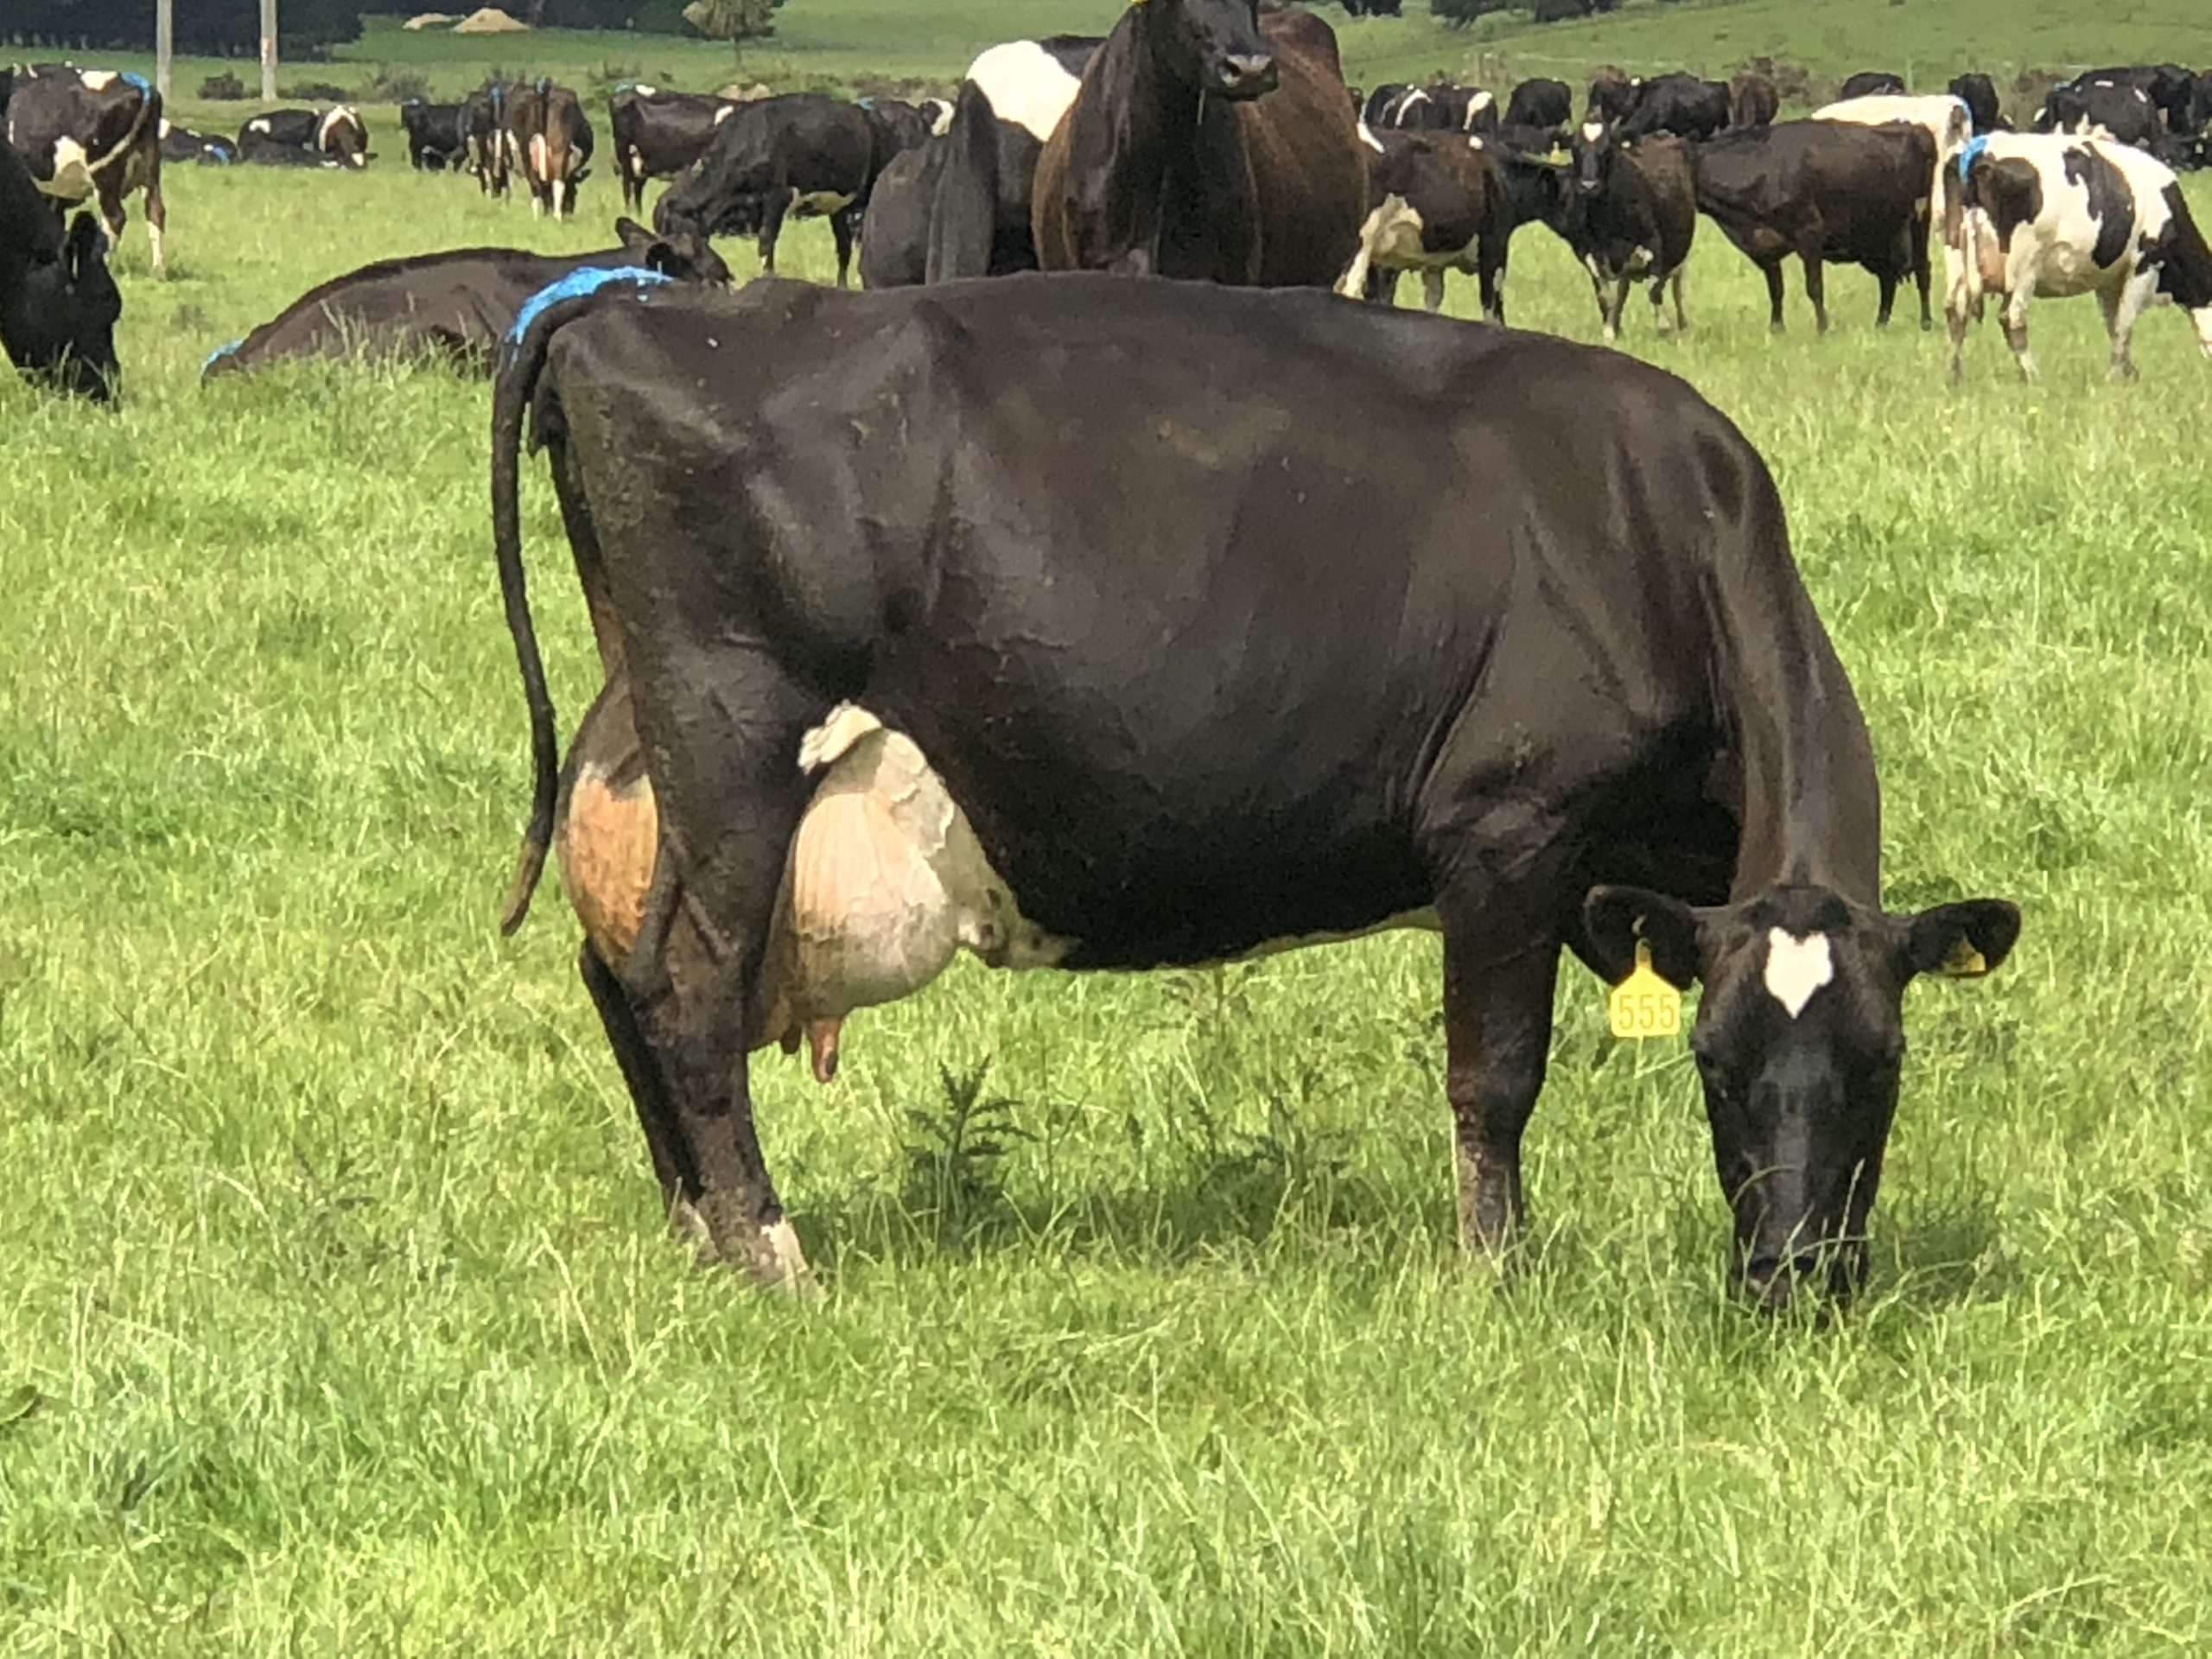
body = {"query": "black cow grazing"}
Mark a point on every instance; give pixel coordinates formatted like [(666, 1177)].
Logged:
[(337, 135), (1439, 203), (2109, 108), (549, 140), (1629, 211), (657, 134), (981, 181), (1978, 93), (437, 135), (895, 235), (800, 154), (1103, 691), (199, 149), (2031, 215), (88, 134), (486, 111), (452, 307), (1539, 104), (1613, 95), (906, 126), (1681, 105), (1872, 82), (1753, 101), (58, 303), (1823, 190), (1203, 143)]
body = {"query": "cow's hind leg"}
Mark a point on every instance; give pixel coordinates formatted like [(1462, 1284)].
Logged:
[(1816, 290), (157, 220), (1432, 289), (1773, 274), (672, 1166), (2122, 307), (844, 226), (2015, 319)]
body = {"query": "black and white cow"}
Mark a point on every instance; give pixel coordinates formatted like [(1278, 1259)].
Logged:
[(58, 303), (486, 112), (91, 133), (199, 149), (549, 140), (1437, 203), (437, 135), (1102, 691), (1437, 108), (981, 183), (801, 154), (1978, 93), (1629, 211), (2101, 109), (1873, 83), (657, 134), (2030, 216), (2171, 90), (336, 137)]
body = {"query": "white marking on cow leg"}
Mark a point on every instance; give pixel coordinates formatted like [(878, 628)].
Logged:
[(2121, 317), (2016, 330), (1432, 290), (154, 241), (2201, 321), (559, 198), (1796, 968)]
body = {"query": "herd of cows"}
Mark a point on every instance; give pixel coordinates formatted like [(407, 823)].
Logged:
[(1008, 605)]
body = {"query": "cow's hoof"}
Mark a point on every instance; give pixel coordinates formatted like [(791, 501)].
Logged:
[(690, 1230)]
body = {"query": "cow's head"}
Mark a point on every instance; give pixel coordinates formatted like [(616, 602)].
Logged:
[(682, 252), (1594, 148), (1799, 1037), (59, 325), (1215, 45)]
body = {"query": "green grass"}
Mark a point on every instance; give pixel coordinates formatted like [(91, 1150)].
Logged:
[(335, 1316)]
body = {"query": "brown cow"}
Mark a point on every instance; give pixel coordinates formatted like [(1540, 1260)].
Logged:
[(1211, 139), (549, 140), (1753, 101)]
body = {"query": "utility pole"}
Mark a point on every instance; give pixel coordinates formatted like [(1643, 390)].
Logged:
[(268, 51), (164, 48)]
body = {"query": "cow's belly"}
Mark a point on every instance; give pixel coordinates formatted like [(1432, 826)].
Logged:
[(2064, 269)]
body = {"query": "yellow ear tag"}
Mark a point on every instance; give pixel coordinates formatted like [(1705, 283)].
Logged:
[(1644, 1005), (1965, 962)]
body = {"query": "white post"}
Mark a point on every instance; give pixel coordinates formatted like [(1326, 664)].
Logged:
[(268, 51), (164, 48)]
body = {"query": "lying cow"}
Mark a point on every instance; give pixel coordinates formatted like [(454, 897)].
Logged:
[(87, 134), (336, 137), (437, 135), (798, 155), (657, 134), (551, 141), (1660, 762), (201, 149), (1439, 204), (58, 303), (1823, 191), (452, 307), (2032, 215)]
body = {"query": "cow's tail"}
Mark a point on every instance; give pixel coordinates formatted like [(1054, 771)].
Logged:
[(964, 214)]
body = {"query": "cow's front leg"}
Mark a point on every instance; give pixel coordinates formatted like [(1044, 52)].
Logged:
[(844, 226), (1497, 1028)]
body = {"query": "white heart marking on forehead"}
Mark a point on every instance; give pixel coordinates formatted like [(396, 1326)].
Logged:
[(1796, 968)]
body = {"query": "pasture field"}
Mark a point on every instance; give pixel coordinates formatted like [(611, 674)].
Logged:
[(336, 1315)]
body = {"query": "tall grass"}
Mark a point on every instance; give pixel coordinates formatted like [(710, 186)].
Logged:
[(335, 1315)]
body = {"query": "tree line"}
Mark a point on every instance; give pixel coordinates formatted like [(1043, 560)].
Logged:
[(231, 28)]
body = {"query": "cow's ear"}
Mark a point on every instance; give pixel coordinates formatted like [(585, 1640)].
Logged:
[(86, 248), (1616, 918), (631, 234), (1963, 940)]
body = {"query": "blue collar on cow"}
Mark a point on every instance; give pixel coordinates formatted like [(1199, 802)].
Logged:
[(575, 286), (224, 350), (1971, 154), (138, 80)]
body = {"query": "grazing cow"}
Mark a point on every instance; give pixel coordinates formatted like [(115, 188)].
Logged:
[(1613, 95), (657, 135), (89, 134), (2169, 88), (337, 135), (1823, 190), (58, 303), (981, 184), (1680, 104), (454, 306), (1539, 104), (801, 154), (551, 141), (1102, 691), (1629, 211), (1205, 144), (437, 135), (906, 126), (1753, 101), (486, 109), (1873, 83), (2101, 109), (201, 149), (2030, 216), (1978, 93), (1440, 204), (895, 234)]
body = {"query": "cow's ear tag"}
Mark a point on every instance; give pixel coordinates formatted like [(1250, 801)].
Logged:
[(1965, 962), (1644, 1005)]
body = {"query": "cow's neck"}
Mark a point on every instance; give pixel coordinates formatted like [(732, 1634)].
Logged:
[(1809, 804), (1152, 154)]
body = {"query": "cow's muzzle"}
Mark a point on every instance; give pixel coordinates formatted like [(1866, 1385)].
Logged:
[(1247, 74)]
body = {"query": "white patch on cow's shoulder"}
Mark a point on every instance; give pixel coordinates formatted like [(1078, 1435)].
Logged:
[(1026, 85), (643, 91), (259, 124), (97, 80), (1367, 137), (1593, 130), (1796, 968)]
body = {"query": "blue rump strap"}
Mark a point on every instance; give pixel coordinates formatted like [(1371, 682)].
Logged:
[(575, 286), (138, 80), (1970, 154)]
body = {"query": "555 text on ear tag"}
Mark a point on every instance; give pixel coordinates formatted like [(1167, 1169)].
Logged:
[(1644, 1005)]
